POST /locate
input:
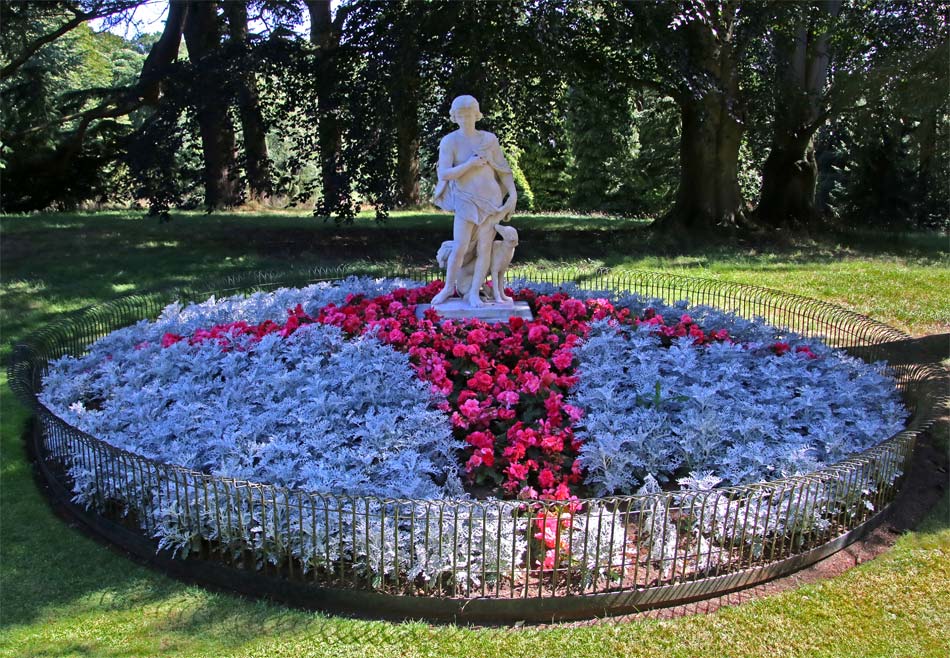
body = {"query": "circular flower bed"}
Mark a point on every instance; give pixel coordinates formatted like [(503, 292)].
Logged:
[(342, 389), (329, 432)]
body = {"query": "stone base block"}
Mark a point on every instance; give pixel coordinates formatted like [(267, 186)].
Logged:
[(491, 312)]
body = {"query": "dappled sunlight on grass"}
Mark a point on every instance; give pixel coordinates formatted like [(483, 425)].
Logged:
[(156, 244), (146, 615)]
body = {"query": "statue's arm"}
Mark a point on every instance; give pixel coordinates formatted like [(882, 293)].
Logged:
[(447, 157), (506, 177)]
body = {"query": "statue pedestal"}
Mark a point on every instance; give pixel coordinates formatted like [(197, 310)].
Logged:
[(491, 312)]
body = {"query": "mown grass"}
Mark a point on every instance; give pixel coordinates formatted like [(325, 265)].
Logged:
[(63, 594)]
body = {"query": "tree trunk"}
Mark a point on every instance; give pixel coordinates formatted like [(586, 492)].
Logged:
[(927, 145), (324, 34), (252, 122), (789, 182), (406, 113), (407, 156), (202, 36), (790, 174), (162, 53), (708, 199)]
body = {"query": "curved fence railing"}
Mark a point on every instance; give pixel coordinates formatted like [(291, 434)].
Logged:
[(472, 560)]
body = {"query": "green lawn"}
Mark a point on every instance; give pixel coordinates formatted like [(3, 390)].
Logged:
[(62, 594)]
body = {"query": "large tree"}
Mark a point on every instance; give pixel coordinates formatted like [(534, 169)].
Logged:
[(802, 56), (710, 42), (52, 153), (421, 55), (202, 32), (696, 53), (328, 79), (254, 131), (830, 60)]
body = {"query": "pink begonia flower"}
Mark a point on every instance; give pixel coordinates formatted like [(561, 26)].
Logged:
[(481, 381), (506, 414), (537, 333), (448, 327), (514, 452), (508, 398), (804, 349), (477, 337), (546, 478), (517, 471), (574, 413), (528, 493), (481, 439), (548, 534), (530, 383), (563, 359), (396, 337), (781, 348), (573, 308), (552, 404), (470, 409), (552, 443), (527, 435)]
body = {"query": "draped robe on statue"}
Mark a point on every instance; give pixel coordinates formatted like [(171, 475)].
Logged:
[(478, 195)]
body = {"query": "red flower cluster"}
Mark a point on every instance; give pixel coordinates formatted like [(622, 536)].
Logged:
[(685, 327), (505, 383), (783, 348), (225, 334)]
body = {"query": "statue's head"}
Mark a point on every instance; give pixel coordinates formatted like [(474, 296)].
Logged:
[(464, 104)]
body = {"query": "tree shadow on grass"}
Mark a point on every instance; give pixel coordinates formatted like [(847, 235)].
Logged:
[(933, 349)]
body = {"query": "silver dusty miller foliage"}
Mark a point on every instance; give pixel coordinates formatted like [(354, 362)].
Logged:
[(368, 469)]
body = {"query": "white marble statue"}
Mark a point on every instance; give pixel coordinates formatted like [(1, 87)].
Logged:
[(475, 183), (502, 252)]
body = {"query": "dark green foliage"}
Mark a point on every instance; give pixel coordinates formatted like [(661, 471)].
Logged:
[(547, 166), (64, 77), (604, 144), (885, 173), (164, 158), (655, 169), (525, 193), (588, 97)]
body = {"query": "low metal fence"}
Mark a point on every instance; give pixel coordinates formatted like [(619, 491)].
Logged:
[(476, 560)]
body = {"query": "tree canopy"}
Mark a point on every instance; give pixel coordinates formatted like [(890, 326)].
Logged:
[(711, 117)]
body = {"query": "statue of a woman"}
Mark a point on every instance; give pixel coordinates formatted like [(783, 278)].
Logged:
[(474, 179)]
